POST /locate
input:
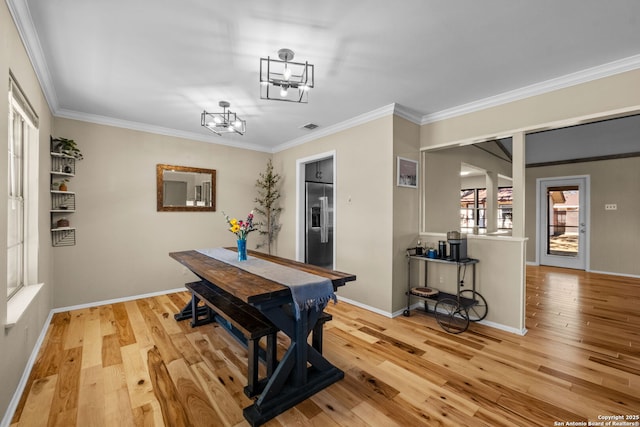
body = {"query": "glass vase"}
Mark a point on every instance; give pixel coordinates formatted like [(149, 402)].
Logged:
[(242, 250)]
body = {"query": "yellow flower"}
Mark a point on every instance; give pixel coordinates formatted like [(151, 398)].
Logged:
[(235, 228), (233, 221)]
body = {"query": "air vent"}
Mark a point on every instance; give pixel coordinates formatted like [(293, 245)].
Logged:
[(309, 126)]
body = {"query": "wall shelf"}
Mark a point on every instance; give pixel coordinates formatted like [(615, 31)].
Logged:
[(63, 203)]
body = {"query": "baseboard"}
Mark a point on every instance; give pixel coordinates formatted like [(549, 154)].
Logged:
[(15, 400), (633, 276), (116, 300), (366, 307), (521, 332)]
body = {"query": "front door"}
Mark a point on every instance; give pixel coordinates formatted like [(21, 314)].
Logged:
[(563, 206)]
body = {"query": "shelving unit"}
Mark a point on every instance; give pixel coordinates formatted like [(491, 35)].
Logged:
[(453, 312), (63, 203)]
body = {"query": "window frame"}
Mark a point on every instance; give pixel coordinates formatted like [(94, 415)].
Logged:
[(27, 195)]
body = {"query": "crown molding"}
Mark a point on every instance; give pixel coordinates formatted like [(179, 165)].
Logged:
[(338, 127), (594, 73), (159, 130), (22, 18), (408, 114)]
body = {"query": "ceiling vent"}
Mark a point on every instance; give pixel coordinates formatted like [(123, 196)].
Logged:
[(309, 126)]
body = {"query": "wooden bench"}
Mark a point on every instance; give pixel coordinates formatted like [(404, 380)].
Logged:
[(244, 321)]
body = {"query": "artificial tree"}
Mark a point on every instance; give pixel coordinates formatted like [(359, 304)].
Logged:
[(267, 200)]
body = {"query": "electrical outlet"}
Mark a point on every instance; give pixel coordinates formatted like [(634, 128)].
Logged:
[(441, 279), (610, 207)]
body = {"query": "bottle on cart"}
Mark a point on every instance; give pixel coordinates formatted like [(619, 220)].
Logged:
[(442, 249)]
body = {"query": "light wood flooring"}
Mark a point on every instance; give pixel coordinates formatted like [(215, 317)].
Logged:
[(110, 365)]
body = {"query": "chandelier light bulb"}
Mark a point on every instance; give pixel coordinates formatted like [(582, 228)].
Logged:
[(287, 73), (283, 91)]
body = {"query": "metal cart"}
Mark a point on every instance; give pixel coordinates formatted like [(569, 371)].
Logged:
[(453, 312)]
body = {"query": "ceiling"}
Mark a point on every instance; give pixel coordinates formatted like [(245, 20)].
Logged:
[(155, 65)]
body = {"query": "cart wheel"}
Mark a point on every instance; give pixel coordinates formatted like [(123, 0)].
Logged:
[(478, 310), (451, 316), (406, 313)]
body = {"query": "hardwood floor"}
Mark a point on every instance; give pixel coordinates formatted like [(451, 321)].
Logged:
[(132, 364)]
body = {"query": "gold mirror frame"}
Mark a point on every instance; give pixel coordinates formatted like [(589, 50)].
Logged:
[(160, 169)]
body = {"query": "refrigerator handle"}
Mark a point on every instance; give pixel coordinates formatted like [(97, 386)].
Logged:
[(324, 219)]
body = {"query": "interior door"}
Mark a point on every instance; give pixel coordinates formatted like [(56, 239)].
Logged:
[(563, 228)]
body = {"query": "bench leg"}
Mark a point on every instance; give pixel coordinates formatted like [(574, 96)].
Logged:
[(272, 353), (316, 339), (252, 371)]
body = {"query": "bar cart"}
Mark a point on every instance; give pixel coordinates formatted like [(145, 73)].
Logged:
[(453, 312)]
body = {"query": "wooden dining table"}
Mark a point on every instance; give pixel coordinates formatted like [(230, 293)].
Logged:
[(303, 370)]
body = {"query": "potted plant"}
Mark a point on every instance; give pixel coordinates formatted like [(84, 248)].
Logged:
[(61, 185), (67, 147)]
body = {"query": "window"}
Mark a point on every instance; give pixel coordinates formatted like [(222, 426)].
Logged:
[(22, 230), (473, 208)]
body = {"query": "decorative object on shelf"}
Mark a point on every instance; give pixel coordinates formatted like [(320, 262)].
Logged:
[(241, 229), (225, 122), (61, 185), (283, 80), (267, 200), (68, 147), (64, 153)]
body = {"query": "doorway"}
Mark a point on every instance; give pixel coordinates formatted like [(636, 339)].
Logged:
[(316, 213), (563, 221)]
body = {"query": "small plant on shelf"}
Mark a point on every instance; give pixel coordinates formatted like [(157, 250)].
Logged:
[(60, 185), (67, 147)]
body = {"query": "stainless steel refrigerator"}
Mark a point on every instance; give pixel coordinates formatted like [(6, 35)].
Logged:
[(319, 224)]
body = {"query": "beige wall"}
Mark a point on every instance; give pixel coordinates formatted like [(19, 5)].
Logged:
[(122, 241), (613, 249), (610, 94), (363, 206), (443, 183), (406, 208), (17, 342)]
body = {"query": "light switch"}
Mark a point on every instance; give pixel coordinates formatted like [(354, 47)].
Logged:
[(610, 207)]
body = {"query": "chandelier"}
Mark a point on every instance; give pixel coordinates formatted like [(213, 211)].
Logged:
[(283, 80), (225, 122)]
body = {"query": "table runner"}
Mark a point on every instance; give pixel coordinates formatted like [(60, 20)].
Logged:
[(308, 290)]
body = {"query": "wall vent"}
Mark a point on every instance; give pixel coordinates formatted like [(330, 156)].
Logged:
[(309, 126)]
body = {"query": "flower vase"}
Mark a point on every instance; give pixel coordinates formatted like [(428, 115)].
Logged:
[(242, 250)]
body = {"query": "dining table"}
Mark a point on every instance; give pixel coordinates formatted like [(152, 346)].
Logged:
[(303, 370)]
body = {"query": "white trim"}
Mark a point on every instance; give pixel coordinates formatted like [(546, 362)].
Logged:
[(117, 300), (568, 80), (338, 127), (369, 308), (400, 312), (22, 18), (159, 130), (18, 303), (15, 400), (21, 15), (583, 261), (632, 276), (502, 327), (300, 201)]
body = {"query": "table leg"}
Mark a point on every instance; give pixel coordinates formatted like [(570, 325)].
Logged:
[(292, 381)]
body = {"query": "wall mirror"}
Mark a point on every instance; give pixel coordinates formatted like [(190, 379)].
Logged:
[(185, 189)]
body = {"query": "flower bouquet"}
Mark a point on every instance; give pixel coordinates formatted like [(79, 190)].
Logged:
[(241, 229)]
